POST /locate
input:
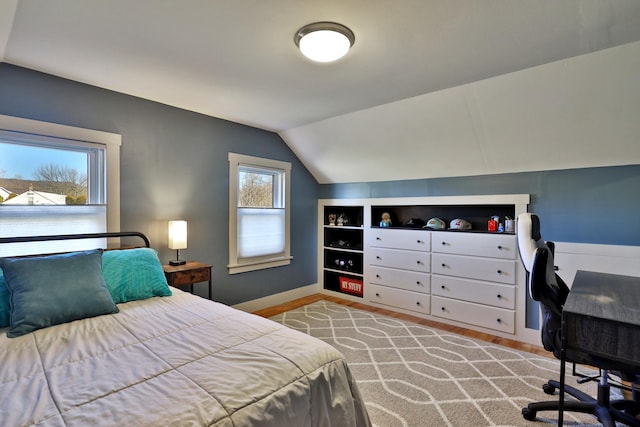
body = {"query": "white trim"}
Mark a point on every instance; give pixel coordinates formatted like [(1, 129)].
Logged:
[(18, 124), (599, 249), (499, 199), (259, 265), (113, 187), (112, 141)]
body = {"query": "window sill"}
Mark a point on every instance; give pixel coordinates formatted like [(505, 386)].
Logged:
[(259, 265)]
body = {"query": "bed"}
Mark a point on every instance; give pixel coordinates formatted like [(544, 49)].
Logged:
[(120, 347)]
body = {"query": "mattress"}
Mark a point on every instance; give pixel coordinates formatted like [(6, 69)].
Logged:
[(175, 361)]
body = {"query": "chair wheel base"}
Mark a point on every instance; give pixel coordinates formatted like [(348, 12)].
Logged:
[(548, 389), (528, 414)]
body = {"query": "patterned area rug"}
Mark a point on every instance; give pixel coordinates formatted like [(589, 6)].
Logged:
[(412, 375)]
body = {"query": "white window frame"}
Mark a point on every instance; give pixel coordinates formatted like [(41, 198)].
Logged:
[(237, 264), (39, 130)]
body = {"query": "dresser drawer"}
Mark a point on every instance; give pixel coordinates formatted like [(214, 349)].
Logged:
[(403, 279), (491, 269), (189, 277), (495, 318), (414, 240), (497, 295), (485, 245), (395, 258), (406, 300)]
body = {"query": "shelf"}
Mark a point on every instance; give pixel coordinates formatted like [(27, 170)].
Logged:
[(350, 250), (342, 249), (477, 215), (344, 272), (348, 261), (354, 214), (444, 231), (334, 278), (343, 238)]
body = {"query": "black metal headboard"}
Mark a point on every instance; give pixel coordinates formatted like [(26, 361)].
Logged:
[(75, 236)]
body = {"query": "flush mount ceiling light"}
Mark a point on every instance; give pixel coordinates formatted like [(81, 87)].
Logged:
[(324, 41)]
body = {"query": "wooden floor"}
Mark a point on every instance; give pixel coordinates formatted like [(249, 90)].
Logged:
[(272, 311)]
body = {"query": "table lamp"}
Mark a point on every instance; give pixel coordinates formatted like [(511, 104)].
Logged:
[(177, 240)]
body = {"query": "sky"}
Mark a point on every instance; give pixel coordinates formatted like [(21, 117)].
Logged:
[(20, 161)]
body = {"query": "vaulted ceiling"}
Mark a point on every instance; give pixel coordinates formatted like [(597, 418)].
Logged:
[(430, 87)]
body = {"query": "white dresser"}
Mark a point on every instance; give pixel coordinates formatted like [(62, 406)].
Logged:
[(474, 279), (455, 275), (397, 269)]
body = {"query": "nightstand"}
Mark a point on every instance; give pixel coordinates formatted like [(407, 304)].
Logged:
[(188, 274)]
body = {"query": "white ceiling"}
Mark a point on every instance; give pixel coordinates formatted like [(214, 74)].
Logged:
[(236, 59)]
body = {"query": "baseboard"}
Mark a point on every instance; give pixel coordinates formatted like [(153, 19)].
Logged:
[(276, 299)]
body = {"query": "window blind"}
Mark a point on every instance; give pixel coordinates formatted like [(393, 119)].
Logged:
[(33, 220), (261, 232)]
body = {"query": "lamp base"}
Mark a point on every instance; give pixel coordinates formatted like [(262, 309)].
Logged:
[(177, 262)]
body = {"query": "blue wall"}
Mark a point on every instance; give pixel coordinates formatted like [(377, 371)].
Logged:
[(174, 165), (591, 205)]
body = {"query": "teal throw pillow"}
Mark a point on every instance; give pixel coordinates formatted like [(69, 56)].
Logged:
[(54, 289), (134, 274), (5, 307)]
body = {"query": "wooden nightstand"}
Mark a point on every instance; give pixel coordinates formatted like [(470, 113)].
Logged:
[(188, 274)]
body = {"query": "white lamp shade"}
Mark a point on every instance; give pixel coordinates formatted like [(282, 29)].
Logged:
[(177, 234), (324, 45)]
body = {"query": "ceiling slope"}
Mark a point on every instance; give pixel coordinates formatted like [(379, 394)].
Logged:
[(579, 112)]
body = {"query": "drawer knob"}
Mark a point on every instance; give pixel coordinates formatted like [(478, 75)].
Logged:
[(444, 243), (443, 287), (418, 262), (377, 294), (377, 238), (499, 271), (500, 247), (444, 265), (418, 303), (418, 241), (499, 296), (498, 320), (442, 308), (378, 257), (377, 276)]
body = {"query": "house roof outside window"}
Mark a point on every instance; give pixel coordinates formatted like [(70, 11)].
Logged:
[(32, 197)]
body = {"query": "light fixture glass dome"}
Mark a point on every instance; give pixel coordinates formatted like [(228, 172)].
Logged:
[(324, 41)]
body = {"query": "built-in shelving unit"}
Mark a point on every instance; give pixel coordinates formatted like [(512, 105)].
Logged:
[(470, 278), (342, 249)]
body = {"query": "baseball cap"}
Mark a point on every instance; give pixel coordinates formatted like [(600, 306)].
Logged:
[(460, 224), (436, 223), (414, 222)]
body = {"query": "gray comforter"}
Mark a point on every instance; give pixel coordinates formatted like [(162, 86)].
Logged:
[(175, 361)]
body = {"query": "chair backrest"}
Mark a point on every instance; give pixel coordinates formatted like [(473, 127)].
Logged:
[(544, 284)]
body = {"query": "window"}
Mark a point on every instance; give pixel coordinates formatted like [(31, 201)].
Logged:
[(258, 213), (54, 180)]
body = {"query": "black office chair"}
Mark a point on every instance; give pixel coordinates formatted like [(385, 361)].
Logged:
[(546, 287)]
